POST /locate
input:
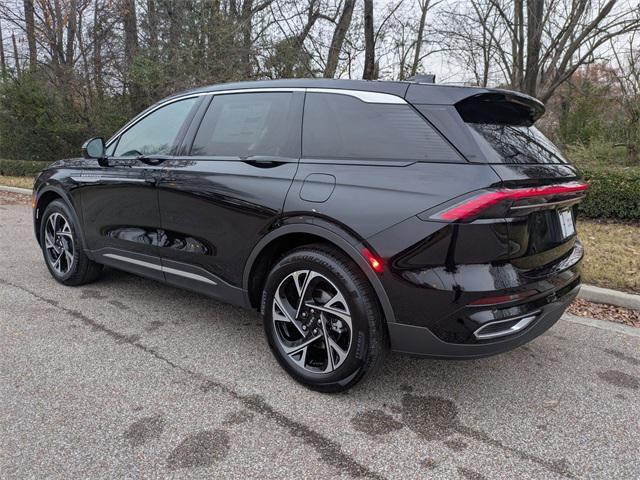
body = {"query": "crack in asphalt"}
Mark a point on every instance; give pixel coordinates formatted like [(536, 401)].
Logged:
[(329, 451)]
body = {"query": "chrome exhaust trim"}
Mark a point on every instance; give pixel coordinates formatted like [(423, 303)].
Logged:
[(524, 322)]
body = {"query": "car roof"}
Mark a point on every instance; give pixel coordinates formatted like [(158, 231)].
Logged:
[(413, 92)]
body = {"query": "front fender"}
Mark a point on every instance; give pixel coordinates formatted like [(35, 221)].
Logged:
[(46, 187)]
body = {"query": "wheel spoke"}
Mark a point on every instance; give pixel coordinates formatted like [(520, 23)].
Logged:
[(282, 314), (68, 258), (296, 348), (48, 239), (299, 280), (325, 334), (303, 356), (310, 276), (338, 313), (338, 298), (54, 222), (342, 354), (56, 265)]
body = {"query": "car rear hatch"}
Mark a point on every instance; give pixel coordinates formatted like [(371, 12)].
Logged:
[(540, 191)]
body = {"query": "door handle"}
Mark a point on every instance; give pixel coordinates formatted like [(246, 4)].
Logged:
[(263, 161), (152, 159)]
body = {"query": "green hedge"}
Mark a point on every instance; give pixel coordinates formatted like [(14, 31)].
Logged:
[(612, 194), (21, 168)]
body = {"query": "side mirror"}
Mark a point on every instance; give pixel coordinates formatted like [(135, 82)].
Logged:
[(94, 148)]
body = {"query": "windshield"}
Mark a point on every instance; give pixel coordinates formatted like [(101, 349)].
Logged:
[(515, 144)]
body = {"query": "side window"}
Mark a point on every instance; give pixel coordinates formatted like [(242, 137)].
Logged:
[(155, 133), (249, 124), (342, 126), (111, 148)]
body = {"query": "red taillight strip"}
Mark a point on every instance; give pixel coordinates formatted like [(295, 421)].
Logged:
[(473, 206)]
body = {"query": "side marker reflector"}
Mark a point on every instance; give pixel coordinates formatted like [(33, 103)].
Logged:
[(375, 262)]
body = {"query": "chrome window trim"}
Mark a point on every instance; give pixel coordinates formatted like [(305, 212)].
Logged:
[(363, 95)]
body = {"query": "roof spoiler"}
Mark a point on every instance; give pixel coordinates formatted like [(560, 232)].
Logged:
[(500, 107)]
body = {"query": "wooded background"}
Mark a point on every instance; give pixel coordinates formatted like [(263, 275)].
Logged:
[(71, 69)]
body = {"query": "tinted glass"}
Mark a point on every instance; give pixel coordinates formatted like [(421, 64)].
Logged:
[(155, 134), (247, 124), (342, 126), (515, 144)]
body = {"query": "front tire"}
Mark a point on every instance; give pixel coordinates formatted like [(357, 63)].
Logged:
[(322, 319), (62, 249)]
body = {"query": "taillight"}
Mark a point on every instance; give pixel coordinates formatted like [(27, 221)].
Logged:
[(499, 201)]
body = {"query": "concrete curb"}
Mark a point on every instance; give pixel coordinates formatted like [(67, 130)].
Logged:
[(595, 294), (602, 324), (25, 191)]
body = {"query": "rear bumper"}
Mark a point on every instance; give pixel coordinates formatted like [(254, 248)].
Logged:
[(420, 341)]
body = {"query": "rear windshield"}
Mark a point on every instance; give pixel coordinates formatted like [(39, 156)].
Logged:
[(515, 144)]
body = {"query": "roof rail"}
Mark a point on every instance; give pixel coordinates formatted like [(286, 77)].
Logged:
[(423, 78)]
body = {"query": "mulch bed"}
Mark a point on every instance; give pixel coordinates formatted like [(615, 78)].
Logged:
[(10, 198), (601, 311)]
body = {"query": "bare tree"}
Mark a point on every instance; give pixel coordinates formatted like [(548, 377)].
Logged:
[(337, 40), (130, 26), (424, 8), (16, 59), (369, 72), (3, 61), (627, 77), (30, 30), (535, 47)]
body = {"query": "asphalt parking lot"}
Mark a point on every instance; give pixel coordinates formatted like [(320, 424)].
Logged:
[(130, 378)]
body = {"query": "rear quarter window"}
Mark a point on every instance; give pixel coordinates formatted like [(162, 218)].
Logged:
[(339, 126)]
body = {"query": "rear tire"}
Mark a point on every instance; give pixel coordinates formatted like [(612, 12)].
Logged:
[(62, 248), (322, 319)]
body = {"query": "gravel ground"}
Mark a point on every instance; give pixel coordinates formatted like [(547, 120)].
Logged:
[(130, 378)]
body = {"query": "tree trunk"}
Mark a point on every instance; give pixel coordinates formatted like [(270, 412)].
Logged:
[(535, 10), (152, 22), (71, 31), (97, 49), (518, 45), (337, 41), (16, 60), (246, 17), (3, 61), (31, 32), (130, 49), (369, 43), (174, 28), (424, 7), (59, 31)]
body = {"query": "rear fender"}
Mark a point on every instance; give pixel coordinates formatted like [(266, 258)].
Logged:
[(347, 243)]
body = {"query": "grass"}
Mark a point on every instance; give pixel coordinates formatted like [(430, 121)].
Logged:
[(22, 182), (600, 155), (612, 254)]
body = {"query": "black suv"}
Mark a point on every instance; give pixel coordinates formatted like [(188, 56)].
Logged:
[(356, 216)]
